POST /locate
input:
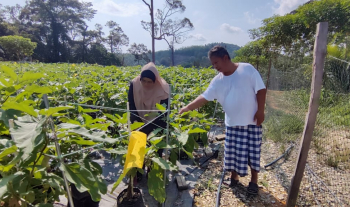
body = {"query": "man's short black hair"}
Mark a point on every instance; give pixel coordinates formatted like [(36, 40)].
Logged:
[(218, 51)]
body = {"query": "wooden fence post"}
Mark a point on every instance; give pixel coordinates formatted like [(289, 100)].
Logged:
[(320, 50)]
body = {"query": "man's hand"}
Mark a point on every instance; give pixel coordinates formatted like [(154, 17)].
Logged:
[(184, 109), (259, 117)]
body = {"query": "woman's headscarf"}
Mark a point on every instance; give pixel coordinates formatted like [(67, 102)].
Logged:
[(146, 99)]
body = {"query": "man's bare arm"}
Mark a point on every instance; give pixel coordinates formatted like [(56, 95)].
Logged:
[(198, 102)]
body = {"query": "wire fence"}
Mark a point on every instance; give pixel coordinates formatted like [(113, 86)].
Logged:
[(326, 179)]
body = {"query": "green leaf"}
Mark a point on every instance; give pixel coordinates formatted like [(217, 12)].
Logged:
[(20, 107), (38, 89), (164, 164), (9, 71), (5, 180), (81, 141), (6, 168), (115, 185), (94, 136), (120, 150), (183, 137), (83, 179), (4, 82), (29, 76), (154, 133), (45, 205), (8, 151), (29, 196), (156, 183), (156, 140), (160, 107), (53, 110), (136, 125), (204, 138), (197, 130), (5, 116), (28, 136)]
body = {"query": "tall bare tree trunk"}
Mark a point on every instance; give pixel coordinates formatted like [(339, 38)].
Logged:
[(152, 22), (172, 56)]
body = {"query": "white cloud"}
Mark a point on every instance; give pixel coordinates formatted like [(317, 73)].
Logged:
[(250, 18), (286, 6), (231, 29), (198, 37), (119, 9)]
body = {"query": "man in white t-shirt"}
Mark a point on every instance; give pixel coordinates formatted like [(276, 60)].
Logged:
[(240, 90)]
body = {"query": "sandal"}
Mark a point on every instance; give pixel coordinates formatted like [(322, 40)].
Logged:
[(234, 183), (253, 189)]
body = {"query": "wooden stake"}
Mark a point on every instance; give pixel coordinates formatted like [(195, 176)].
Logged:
[(320, 51)]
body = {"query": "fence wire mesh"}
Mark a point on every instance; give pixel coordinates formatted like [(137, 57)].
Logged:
[(326, 179)]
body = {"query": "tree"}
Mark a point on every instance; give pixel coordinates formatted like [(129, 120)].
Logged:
[(17, 47), (140, 52), (295, 32), (176, 34), (53, 19), (172, 31), (254, 53), (116, 37), (150, 25)]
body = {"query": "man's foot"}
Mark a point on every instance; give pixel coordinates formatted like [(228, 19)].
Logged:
[(252, 189)]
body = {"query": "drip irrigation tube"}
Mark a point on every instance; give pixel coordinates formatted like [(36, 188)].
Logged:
[(219, 188), (280, 157)]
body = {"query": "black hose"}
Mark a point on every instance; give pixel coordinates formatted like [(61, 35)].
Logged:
[(280, 157), (215, 155), (219, 188)]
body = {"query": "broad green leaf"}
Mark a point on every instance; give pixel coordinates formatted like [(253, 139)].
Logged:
[(160, 107), (38, 89), (93, 166), (10, 90), (9, 71), (94, 73), (4, 82), (154, 133), (20, 107), (190, 144), (136, 125), (29, 76), (28, 136), (5, 180), (183, 137), (8, 151), (74, 175), (119, 150), (197, 130), (164, 164), (156, 183), (29, 196), (94, 136), (3, 129), (115, 185), (44, 205), (53, 110), (204, 138), (156, 140), (81, 141)]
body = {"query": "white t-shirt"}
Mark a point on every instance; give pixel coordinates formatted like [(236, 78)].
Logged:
[(237, 94)]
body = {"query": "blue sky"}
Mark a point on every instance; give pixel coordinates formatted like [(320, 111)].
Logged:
[(214, 21)]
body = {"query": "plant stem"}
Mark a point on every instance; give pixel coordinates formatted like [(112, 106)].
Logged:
[(130, 188)]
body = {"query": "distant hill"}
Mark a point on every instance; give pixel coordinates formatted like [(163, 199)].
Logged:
[(196, 56), (193, 55)]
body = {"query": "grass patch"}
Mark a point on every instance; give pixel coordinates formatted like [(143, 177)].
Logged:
[(282, 127)]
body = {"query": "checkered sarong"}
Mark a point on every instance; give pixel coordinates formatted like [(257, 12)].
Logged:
[(242, 148)]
